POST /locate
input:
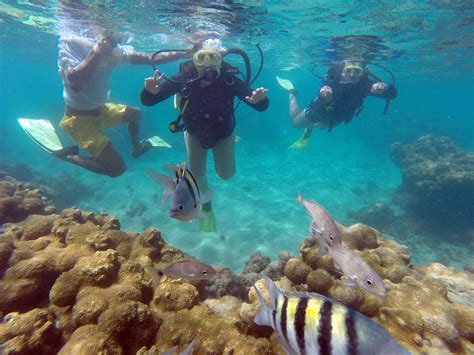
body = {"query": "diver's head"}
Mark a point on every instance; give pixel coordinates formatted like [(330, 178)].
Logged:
[(113, 38), (352, 71), (208, 59)]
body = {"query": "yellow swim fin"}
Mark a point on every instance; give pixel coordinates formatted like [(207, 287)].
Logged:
[(303, 140), (208, 223)]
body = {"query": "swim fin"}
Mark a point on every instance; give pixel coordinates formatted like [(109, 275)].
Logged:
[(208, 223), (285, 84), (303, 140), (157, 142), (42, 132)]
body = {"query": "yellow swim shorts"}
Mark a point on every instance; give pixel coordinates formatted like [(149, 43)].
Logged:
[(86, 131)]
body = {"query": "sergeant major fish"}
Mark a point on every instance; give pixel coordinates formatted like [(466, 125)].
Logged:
[(310, 324), (187, 199), (323, 226)]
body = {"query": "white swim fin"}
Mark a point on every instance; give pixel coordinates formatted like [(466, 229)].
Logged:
[(42, 132)]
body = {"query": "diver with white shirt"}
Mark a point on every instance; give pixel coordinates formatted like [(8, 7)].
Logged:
[(85, 68)]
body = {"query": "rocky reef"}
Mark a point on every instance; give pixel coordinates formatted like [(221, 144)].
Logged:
[(438, 186), (74, 280), (18, 200), (62, 188)]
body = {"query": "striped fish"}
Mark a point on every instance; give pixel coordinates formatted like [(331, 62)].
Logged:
[(309, 323), (187, 199)]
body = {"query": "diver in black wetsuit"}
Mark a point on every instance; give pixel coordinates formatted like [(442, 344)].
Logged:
[(207, 86), (340, 98)]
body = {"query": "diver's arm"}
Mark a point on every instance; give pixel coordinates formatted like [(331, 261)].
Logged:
[(82, 73), (167, 89), (164, 57), (242, 91)]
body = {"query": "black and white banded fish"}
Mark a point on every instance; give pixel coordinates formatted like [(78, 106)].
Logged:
[(187, 200), (310, 324)]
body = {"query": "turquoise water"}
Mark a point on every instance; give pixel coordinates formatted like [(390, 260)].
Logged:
[(428, 46)]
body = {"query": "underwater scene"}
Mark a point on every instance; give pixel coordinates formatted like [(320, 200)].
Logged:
[(237, 177)]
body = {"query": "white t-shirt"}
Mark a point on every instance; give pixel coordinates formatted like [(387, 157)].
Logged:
[(94, 93)]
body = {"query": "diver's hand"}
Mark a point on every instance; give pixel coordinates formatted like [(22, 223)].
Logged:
[(103, 47), (326, 93), (257, 96), (379, 88), (152, 84)]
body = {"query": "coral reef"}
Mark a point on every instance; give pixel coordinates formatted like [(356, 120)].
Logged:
[(258, 265), (65, 190), (438, 185), (76, 281), (428, 309), (18, 170), (383, 217), (18, 200)]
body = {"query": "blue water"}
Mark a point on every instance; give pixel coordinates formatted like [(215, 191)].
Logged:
[(429, 52)]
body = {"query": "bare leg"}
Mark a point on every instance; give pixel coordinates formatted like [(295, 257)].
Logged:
[(224, 157), (197, 158), (298, 117), (294, 107), (109, 162), (132, 117)]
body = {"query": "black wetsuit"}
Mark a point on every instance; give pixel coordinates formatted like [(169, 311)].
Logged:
[(209, 114), (346, 103)]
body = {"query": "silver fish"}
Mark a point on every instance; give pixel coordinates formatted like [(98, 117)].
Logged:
[(309, 323), (187, 200), (323, 226), (357, 270), (192, 270)]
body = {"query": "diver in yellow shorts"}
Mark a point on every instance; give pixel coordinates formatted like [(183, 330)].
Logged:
[(85, 68)]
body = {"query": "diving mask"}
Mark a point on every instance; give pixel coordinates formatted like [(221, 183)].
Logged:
[(207, 58), (352, 70)]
